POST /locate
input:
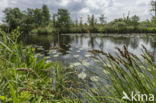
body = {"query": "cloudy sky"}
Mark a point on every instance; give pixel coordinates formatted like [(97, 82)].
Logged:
[(111, 8)]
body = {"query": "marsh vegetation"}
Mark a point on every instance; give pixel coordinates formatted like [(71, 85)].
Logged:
[(53, 59)]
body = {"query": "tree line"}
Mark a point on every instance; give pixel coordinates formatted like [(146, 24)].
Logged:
[(42, 22)]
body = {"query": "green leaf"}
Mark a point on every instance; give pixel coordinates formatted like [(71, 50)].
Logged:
[(13, 93), (1, 43)]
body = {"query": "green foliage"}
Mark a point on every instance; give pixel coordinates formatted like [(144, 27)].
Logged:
[(45, 15), (62, 20), (153, 4), (13, 17), (135, 21), (153, 20), (44, 30), (38, 21), (25, 78), (27, 20), (102, 19), (91, 20)]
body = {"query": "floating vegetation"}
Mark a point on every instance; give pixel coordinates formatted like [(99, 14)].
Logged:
[(48, 57), (48, 61), (94, 78), (87, 55), (75, 64), (50, 51), (76, 56), (53, 51), (81, 49), (78, 51), (71, 49), (58, 48), (85, 63), (56, 55), (40, 48), (59, 53), (82, 75), (67, 51), (39, 55)]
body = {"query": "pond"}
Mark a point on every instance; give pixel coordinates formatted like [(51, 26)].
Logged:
[(74, 47)]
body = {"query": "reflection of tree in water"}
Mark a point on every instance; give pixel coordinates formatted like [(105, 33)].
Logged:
[(146, 39), (37, 40), (101, 45), (76, 39), (91, 42), (62, 41), (120, 40), (153, 45), (134, 42)]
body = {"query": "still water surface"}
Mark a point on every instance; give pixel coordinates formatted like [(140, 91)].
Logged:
[(75, 46)]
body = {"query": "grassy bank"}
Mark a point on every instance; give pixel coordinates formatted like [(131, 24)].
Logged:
[(87, 29), (26, 79)]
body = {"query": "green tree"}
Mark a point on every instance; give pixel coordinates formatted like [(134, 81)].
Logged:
[(102, 19), (54, 20), (153, 20), (153, 4), (63, 20), (76, 22), (13, 17), (81, 21), (29, 20), (135, 21), (91, 20), (38, 17), (45, 15)]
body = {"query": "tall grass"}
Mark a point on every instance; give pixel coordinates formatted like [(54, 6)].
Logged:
[(123, 73)]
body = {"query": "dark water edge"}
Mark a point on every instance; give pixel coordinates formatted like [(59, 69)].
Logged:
[(71, 43)]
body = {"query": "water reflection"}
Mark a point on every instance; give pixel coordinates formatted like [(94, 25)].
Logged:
[(72, 43), (62, 41)]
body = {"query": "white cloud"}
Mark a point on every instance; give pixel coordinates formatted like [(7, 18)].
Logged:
[(3, 4), (64, 2), (111, 8), (84, 11)]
